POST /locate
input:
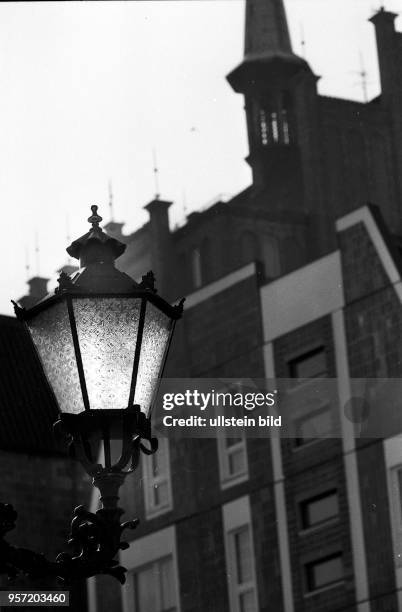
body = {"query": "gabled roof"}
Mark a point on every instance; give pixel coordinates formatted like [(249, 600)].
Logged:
[(27, 407)]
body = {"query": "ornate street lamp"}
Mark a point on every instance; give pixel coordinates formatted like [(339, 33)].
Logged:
[(102, 340)]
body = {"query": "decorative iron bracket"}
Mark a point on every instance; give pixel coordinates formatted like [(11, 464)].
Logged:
[(95, 538)]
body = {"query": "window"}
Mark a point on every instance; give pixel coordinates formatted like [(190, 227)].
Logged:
[(232, 453), (313, 425), (312, 415), (157, 482), (285, 126), (239, 551), (396, 486), (310, 365), (274, 126), (196, 268), (393, 457), (263, 127), (319, 509), (154, 587), (249, 247), (274, 120), (324, 572), (153, 579), (242, 566)]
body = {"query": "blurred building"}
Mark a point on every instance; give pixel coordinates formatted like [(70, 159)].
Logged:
[(295, 277), (36, 475)]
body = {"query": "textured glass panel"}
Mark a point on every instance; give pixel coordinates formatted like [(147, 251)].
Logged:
[(155, 338), (51, 333), (107, 333)]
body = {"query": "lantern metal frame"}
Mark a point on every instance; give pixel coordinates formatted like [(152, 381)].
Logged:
[(94, 537)]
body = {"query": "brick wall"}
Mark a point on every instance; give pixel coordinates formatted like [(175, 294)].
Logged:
[(44, 519), (220, 337), (373, 321)]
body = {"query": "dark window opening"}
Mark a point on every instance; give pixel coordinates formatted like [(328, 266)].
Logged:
[(274, 120), (313, 426), (310, 365), (319, 509), (324, 572), (263, 128)]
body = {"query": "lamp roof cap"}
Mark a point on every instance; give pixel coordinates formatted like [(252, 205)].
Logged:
[(95, 246)]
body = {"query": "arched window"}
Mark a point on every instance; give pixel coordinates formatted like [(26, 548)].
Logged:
[(264, 133), (270, 256), (292, 254), (274, 120), (196, 270), (249, 247), (206, 261)]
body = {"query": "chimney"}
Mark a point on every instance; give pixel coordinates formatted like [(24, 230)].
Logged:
[(160, 244), (37, 291), (387, 49)]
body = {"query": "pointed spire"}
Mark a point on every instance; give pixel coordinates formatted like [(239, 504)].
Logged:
[(268, 52), (267, 31)]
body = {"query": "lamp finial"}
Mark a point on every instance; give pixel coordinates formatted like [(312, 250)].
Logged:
[(95, 219)]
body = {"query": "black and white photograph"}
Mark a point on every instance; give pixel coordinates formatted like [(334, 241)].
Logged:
[(201, 305)]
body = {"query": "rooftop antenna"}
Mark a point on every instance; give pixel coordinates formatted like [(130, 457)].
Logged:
[(27, 266), (68, 237), (363, 76), (111, 200), (302, 41), (156, 178), (37, 261), (184, 201)]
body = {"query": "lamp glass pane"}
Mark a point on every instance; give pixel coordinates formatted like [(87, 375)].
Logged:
[(107, 334), (51, 334), (155, 338)]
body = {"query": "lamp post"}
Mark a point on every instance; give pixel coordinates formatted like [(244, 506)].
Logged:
[(102, 340)]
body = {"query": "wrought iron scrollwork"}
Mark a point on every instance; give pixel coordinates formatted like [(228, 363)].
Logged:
[(95, 538)]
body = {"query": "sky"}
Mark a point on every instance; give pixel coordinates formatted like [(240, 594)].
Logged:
[(90, 91)]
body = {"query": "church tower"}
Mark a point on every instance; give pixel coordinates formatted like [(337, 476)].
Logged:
[(280, 93), (270, 78)]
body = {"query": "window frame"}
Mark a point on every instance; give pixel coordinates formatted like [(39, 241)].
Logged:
[(153, 564), (302, 385), (396, 498), (302, 507), (312, 590), (238, 589), (303, 442), (224, 452), (153, 510), (294, 361), (196, 268), (152, 547)]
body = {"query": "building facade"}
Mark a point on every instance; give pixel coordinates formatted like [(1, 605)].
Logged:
[(297, 277)]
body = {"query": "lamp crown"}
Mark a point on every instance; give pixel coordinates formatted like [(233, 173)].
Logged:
[(96, 246), (95, 219)]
